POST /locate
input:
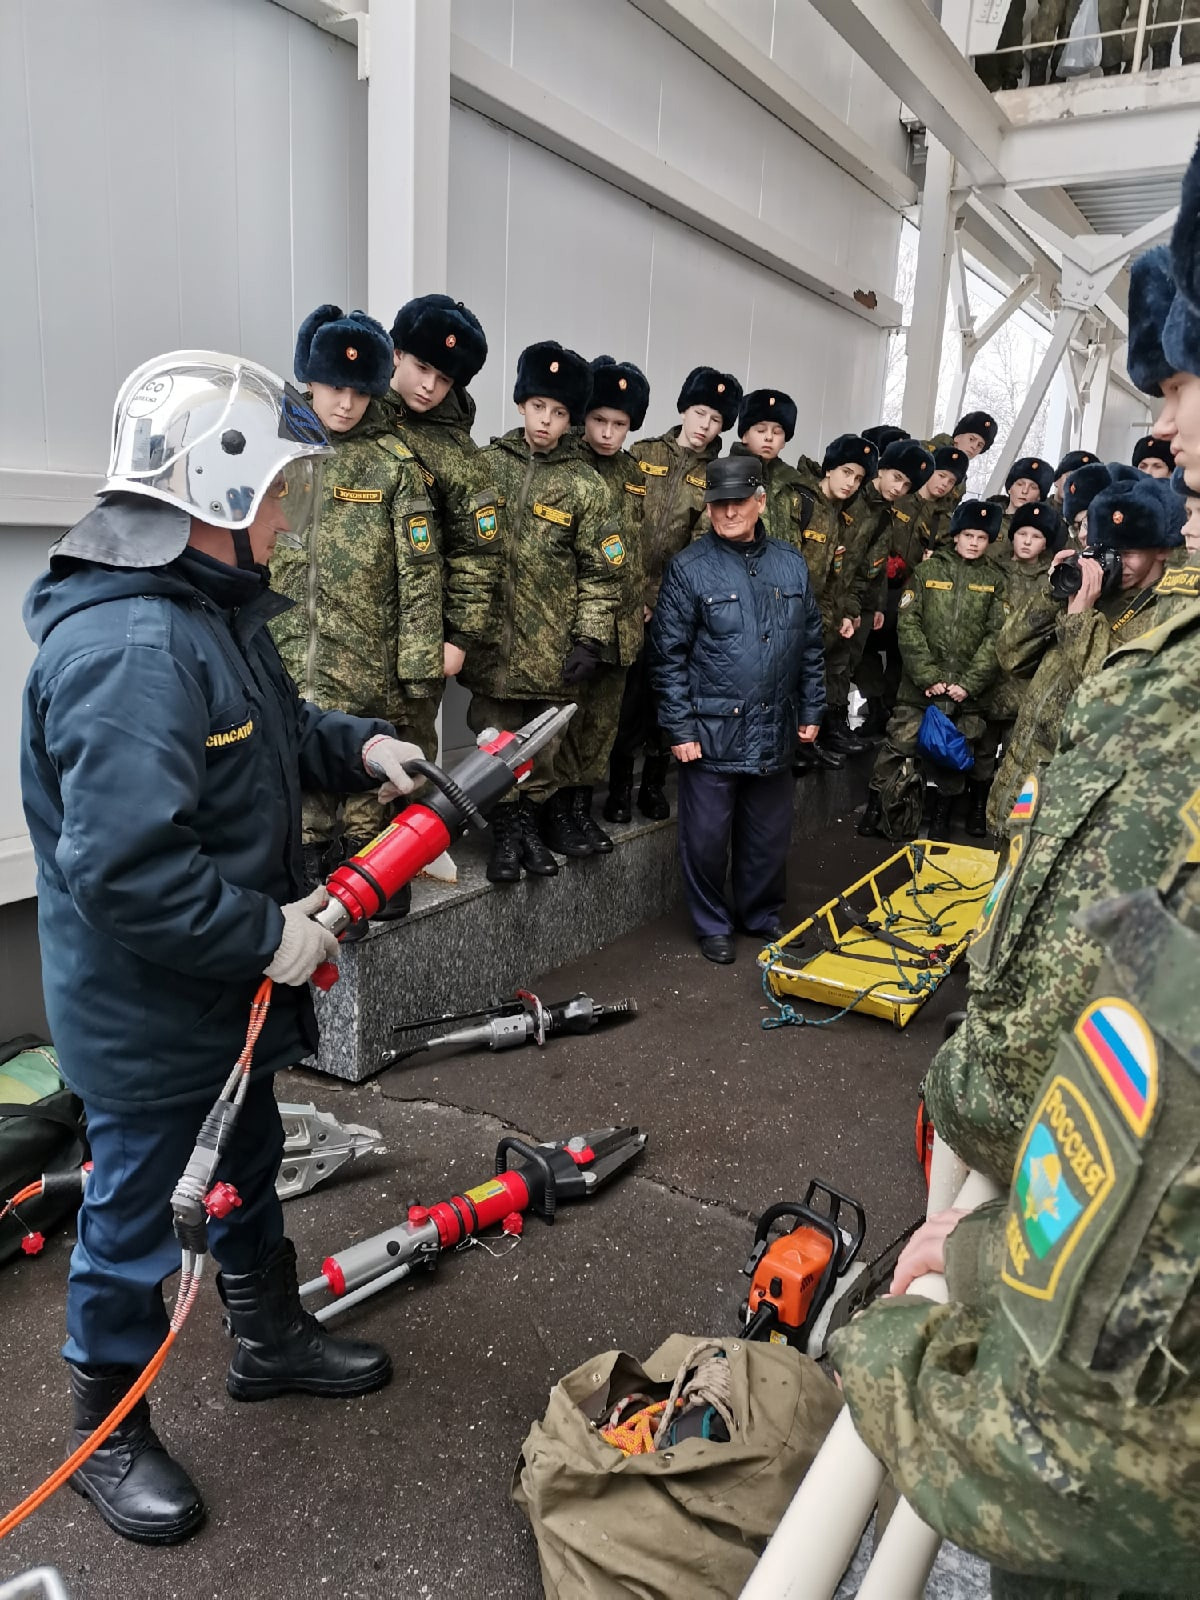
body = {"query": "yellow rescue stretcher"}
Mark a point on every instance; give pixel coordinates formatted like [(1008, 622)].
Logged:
[(883, 945)]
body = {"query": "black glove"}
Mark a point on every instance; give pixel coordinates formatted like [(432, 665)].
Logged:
[(582, 663)]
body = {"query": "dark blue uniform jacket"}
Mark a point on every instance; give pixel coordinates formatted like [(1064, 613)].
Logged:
[(736, 653), (164, 750)]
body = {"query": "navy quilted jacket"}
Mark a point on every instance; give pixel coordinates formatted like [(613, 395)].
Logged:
[(735, 652)]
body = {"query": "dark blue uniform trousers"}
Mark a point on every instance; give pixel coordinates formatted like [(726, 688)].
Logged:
[(126, 1246), (749, 816)]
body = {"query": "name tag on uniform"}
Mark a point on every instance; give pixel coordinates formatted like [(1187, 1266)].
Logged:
[(358, 497), (811, 533), (635, 488), (428, 476), (938, 583), (651, 470), (697, 480), (561, 519), (982, 588), (901, 516), (218, 741), (1181, 580)]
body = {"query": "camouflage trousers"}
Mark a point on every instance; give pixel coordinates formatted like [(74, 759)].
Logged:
[(417, 719), (879, 668), (1017, 1586), (359, 817), (583, 757), (900, 746), (508, 716), (843, 665)]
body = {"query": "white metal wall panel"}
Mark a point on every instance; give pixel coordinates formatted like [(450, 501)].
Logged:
[(542, 250), (1126, 419), (24, 556), (175, 174)]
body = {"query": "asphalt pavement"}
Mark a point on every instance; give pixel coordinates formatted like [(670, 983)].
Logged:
[(406, 1493)]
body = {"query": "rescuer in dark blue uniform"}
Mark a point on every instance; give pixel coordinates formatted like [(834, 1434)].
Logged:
[(164, 752)]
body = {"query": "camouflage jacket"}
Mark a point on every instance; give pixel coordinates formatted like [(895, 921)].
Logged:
[(366, 628), (555, 570), (1020, 580), (943, 441), (934, 517), (950, 613), (1178, 587), (873, 516), (674, 503), (1067, 650), (466, 509), (825, 546), (1047, 1417), (627, 499)]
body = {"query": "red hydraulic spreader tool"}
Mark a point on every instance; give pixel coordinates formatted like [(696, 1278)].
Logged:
[(544, 1175), (361, 887)]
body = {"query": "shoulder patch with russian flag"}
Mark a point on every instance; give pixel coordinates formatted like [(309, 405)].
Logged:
[(1120, 1046), (1026, 802)]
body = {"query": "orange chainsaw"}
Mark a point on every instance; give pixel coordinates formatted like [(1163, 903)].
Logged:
[(792, 1275)]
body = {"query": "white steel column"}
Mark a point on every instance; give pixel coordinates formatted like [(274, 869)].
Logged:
[(924, 342), (1093, 409), (407, 60)]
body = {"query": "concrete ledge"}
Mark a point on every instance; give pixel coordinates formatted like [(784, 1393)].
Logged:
[(473, 943)]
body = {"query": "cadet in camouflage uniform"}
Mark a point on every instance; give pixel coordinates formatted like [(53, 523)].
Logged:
[(892, 499), (367, 618), (939, 498), (950, 612), (974, 434), (620, 395), (766, 422), (672, 466), (1070, 463), (1052, 24), (1138, 519), (1153, 457), (555, 592), (1029, 479), (841, 522), (439, 349)]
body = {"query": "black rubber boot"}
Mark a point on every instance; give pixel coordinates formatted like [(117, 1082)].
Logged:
[(869, 823), (131, 1480), (838, 735), (504, 863), (581, 810), (875, 722), (558, 826), (618, 804), (534, 855), (977, 799), (652, 799), (280, 1348)]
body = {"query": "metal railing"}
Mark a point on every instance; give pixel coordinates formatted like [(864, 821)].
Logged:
[(1153, 34)]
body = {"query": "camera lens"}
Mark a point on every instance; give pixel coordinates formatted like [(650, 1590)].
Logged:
[(1066, 579)]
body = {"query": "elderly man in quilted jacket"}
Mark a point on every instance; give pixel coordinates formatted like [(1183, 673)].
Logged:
[(737, 670)]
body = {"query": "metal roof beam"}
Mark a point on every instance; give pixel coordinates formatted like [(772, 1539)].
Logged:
[(702, 30), (905, 45), (1074, 146)]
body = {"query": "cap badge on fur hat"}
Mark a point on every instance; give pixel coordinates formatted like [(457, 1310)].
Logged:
[(771, 401), (1118, 516), (351, 353), (1035, 465), (554, 366), (622, 384), (720, 388), (451, 341)]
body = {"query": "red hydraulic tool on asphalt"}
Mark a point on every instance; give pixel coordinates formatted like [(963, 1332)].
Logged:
[(361, 887), (546, 1174)]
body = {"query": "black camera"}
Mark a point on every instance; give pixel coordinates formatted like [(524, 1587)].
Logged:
[(1066, 578)]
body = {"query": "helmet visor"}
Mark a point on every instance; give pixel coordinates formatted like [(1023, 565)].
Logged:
[(297, 492)]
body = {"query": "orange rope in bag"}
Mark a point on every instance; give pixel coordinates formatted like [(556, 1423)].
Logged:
[(189, 1283)]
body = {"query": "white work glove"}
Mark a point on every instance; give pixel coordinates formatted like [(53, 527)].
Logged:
[(305, 943), (384, 757)]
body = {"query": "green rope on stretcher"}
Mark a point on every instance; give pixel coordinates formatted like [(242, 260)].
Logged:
[(789, 1017)]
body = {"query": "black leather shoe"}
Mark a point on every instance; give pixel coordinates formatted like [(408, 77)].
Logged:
[(652, 799), (504, 863), (718, 947), (869, 823), (559, 828), (618, 803), (534, 854), (593, 833), (771, 935), (825, 757), (281, 1348), (131, 1480)]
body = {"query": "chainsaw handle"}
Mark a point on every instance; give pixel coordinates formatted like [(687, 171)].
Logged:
[(802, 1213), (846, 1252), (536, 1159)]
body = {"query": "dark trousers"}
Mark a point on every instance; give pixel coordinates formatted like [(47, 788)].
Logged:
[(743, 815), (637, 726), (126, 1247)]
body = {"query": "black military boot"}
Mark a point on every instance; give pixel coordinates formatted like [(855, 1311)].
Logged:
[(929, 807), (131, 1480), (977, 799), (838, 735), (824, 755), (618, 804), (281, 1348), (559, 828), (581, 810), (869, 826), (652, 799), (504, 863), (943, 812), (534, 855), (874, 723)]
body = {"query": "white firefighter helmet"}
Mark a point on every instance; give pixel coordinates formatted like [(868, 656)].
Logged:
[(211, 434)]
